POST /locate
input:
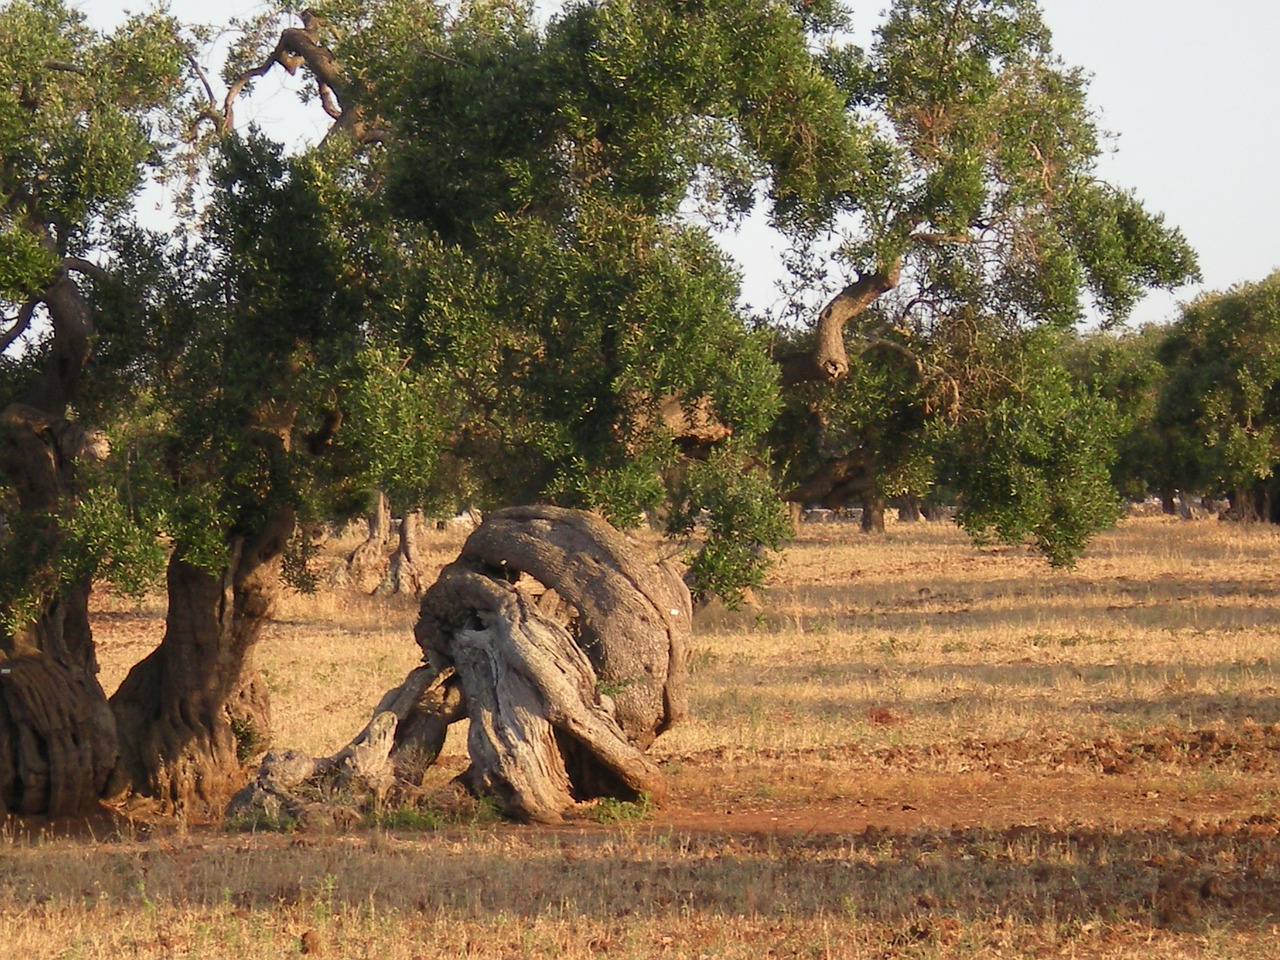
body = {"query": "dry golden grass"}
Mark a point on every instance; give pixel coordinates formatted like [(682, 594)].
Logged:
[(913, 748), (1160, 622)]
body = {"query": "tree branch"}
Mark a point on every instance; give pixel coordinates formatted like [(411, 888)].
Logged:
[(829, 362), (20, 324), (87, 267), (62, 66), (297, 47), (934, 239)]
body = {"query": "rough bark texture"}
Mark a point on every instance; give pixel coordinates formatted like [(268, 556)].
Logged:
[(567, 653), (828, 361), (632, 618), (57, 737), (405, 735), (192, 713), (569, 677), (367, 562), (406, 573)]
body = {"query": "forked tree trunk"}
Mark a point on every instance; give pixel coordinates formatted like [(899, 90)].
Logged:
[(367, 561), (194, 712), (406, 573)]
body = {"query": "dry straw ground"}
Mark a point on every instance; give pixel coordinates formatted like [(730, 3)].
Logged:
[(913, 748)]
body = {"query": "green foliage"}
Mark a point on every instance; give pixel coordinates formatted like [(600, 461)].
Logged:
[(249, 739), (1033, 460), (1124, 368), (731, 499), (25, 263), (612, 810), (516, 296), (73, 111), (871, 425), (1219, 398)]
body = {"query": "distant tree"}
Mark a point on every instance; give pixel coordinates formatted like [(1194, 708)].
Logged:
[(1221, 397), (1123, 366), (1032, 454), (869, 437)]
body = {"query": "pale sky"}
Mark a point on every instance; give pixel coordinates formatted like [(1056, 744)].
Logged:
[(1191, 87)]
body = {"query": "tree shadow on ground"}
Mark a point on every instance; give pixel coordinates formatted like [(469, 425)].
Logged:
[(1175, 876)]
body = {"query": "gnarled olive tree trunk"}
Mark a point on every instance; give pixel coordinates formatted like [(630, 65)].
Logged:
[(195, 711), (565, 649), (57, 736), (572, 653)]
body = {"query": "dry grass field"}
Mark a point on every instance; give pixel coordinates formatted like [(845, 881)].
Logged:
[(912, 748)]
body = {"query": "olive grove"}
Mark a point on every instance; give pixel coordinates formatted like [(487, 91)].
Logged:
[(493, 282)]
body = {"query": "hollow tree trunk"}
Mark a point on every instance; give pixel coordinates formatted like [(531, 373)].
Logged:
[(194, 712)]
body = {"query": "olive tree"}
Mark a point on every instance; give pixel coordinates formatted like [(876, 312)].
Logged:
[(77, 111), (977, 213), (1219, 401)]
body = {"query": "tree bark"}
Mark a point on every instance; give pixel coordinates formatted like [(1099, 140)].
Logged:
[(567, 679), (404, 736), (406, 572), (193, 713), (828, 361), (567, 652), (57, 737), (369, 559), (872, 514), (58, 740)]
